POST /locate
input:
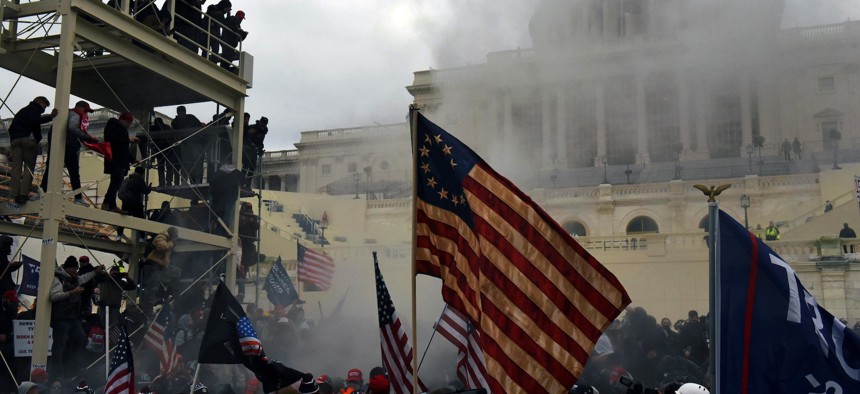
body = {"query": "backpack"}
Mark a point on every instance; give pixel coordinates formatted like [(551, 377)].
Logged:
[(124, 192)]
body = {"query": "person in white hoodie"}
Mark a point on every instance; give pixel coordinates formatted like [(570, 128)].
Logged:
[(28, 388), (65, 296)]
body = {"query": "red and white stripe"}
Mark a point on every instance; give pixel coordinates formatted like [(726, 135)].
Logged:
[(154, 339), (317, 269), (251, 346), (397, 356), (470, 359), (119, 381)]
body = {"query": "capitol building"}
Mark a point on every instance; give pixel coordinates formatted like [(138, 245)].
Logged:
[(607, 122)]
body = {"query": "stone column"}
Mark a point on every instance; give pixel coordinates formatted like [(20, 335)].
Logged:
[(684, 117), (746, 114), (703, 112), (561, 128), (547, 140), (508, 142), (283, 183), (600, 109), (641, 122), (833, 291)]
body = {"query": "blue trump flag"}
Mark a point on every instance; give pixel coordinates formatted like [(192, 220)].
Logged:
[(29, 277), (774, 337), (279, 287)]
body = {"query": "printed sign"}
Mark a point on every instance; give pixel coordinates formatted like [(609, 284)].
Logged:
[(24, 331)]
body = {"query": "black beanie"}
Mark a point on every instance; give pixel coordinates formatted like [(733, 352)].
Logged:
[(71, 262)]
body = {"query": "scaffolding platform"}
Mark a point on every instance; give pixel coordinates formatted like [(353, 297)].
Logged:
[(103, 55)]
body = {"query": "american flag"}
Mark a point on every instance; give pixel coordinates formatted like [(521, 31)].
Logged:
[(396, 348), (251, 345), (471, 368), (315, 268), (539, 299), (121, 377), (161, 338)]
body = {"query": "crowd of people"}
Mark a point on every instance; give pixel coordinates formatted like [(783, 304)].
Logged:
[(214, 34), (176, 165)]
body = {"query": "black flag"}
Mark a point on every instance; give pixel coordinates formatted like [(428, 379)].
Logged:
[(230, 339), (279, 287)]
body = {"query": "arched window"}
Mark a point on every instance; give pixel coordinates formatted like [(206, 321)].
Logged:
[(642, 225), (703, 224), (575, 229)]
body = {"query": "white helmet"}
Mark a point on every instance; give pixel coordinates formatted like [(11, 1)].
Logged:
[(692, 388)]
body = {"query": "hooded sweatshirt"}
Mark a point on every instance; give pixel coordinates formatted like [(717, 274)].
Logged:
[(67, 306), (25, 387)]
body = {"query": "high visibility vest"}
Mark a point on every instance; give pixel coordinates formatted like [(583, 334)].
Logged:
[(771, 233)]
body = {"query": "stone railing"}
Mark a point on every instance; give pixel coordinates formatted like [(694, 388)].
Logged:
[(404, 203), (397, 129), (823, 30), (281, 155)]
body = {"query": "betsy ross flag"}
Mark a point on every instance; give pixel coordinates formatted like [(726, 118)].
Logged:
[(230, 338), (161, 338), (773, 337), (457, 329), (314, 267), (279, 287), (121, 377), (396, 348), (539, 300)]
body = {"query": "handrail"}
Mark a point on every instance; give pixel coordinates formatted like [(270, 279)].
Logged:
[(818, 211)]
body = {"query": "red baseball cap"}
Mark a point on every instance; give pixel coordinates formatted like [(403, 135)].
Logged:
[(127, 116), (354, 375), (85, 105), (240, 14)]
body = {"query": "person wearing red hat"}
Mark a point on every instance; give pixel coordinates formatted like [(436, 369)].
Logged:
[(116, 133), (354, 381), (76, 131), (231, 35)]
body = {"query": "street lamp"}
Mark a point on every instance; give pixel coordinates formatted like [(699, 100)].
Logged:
[(323, 226), (745, 204), (357, 177)]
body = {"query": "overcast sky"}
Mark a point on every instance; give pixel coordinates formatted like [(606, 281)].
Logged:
[(322, 64)]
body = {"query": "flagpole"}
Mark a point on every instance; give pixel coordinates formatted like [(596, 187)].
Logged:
[(298, 280), (107, 342), (713, 281), (431, 338), (413, 109), (196, 375)]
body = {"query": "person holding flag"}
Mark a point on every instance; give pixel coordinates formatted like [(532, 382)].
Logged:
[(230, 339)]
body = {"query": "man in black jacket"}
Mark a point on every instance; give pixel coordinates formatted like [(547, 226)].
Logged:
[(190, 18), (116, 133), (217, 14), (232, 34), (25, 133)]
